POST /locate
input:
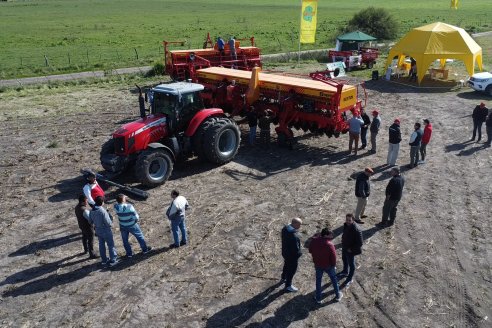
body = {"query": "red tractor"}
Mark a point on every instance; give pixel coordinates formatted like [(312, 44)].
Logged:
[(178, 126)]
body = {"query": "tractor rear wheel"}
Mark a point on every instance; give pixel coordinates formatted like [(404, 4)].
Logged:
[(221, 141), (370, 65), (153, 167)]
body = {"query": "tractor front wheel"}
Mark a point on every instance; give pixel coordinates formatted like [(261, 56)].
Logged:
[(370, 65), (153, 167)]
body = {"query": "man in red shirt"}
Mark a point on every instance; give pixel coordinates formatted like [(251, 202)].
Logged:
[(92, 189), (325, 259), (425, 139)]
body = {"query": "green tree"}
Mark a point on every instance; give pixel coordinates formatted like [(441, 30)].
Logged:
[(377, 22)]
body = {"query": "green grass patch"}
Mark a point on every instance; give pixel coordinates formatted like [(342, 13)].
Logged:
[(60, 36)]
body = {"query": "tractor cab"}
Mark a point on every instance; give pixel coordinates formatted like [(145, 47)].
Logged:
[(179, 101)]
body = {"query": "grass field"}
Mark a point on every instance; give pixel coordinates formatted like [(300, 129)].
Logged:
[(56, 36)]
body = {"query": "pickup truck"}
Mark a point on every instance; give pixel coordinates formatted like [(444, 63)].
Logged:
[(481, 82)]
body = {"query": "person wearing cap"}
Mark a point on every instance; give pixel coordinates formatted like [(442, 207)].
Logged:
[(325, 259), (176, 213), (394, 142), (362, 191), (364, 128), (488, 128), (291, 252), (92, 189), (355, 125), (479, 116), (394, 192), (415, 141), (374, 128), (425, 140)]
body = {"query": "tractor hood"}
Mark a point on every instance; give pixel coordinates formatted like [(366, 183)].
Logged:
[(134, 128)]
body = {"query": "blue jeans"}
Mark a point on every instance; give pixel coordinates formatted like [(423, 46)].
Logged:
[(252, 135), (135, 231), (178, 225), (333, 277), (106, 237), (348, 264)]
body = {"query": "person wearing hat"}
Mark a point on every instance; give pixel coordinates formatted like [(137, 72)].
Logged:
[(103, 222), (394, 143), (92, 189), (374, 128), (355, 126), (364, 128), (415, 142), (362, 191), (479, 116)]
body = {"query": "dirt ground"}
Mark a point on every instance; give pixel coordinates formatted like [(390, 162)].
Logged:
[(432, 269)]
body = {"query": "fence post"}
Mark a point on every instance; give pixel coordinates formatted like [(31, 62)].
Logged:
[(46, 61), (87, 54), (21, 61), (136, 53), (69, 61)]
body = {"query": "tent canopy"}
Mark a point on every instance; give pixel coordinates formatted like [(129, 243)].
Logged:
[(437, 41), (356, 36)]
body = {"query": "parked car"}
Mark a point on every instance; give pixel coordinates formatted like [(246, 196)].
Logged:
[(481, 82)]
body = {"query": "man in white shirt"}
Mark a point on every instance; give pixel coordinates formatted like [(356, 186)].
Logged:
[(176, 214)]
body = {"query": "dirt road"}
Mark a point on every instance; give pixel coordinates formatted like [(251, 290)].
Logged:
[(432, 269)]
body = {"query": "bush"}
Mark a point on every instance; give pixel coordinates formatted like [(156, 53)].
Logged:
[(376, 22), (157, 69)]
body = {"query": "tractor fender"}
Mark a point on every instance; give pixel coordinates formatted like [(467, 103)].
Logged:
[(158, 145), (200, 117)]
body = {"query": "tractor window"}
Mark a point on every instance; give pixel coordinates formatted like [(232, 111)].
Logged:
[(164, 103), (192, 103)]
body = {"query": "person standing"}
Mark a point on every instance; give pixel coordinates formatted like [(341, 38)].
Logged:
[(92, 189), (362, 191), (264, 125), (325, 260), (488, 126), (232, 49), (291, 252), (374, 128), (479, 116), (351, 247), (128, 219), (176, 213), (220, 45), (101, 219), (415, 141), (364, 128), (425, 140), (252, 118), (394, 142), (355, 125), (394, 191), (82, 214)]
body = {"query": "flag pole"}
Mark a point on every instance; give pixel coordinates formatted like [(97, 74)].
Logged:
[(299, 51)]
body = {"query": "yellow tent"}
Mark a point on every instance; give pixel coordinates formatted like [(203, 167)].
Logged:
[(437, 41)]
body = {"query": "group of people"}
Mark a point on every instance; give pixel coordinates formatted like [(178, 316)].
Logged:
[(262, 120), (232, 47), (419, 139), (321, 247), (92, 217)]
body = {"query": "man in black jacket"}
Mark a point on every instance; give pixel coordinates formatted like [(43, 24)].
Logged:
[(479, 116), (488, 126), (82, 214), (364, 128), (291, 251), (362, 191), (394, 191), (415, 141), (351, 247), (394, 142)]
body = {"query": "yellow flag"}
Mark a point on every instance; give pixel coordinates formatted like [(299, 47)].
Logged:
[(308, 20), (454, 4)]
